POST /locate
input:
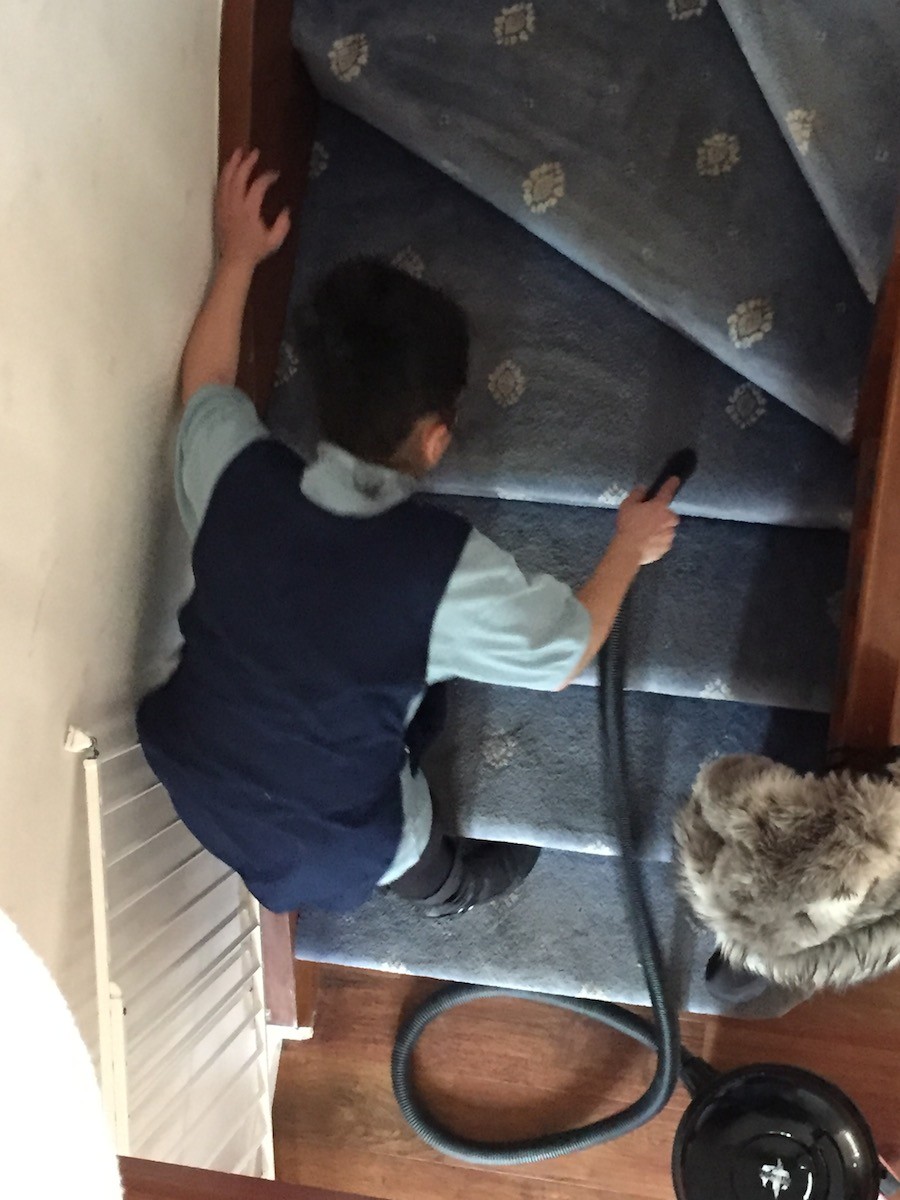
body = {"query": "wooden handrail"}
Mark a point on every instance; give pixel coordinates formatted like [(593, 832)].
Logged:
[(867, 702)]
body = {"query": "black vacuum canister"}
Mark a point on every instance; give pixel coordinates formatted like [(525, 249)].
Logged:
[(770, 1132)]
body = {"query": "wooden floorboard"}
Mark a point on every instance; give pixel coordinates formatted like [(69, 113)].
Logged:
[(506, 1069)]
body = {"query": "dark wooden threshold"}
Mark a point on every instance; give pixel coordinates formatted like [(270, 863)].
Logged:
[(867, 702), (144, 1180), (266, 100)]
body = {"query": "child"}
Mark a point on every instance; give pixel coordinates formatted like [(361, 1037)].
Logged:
[(327, 600)]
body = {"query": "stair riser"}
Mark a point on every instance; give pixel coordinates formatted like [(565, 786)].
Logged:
[(524, 766), (733, 612)]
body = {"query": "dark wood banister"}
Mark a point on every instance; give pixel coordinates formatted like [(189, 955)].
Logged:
[(867, 698)]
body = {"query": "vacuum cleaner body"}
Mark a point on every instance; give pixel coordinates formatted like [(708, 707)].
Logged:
[(773, 1132)]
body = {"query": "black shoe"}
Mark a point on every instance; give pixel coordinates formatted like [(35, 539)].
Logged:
[(733, 985), (483, 871)]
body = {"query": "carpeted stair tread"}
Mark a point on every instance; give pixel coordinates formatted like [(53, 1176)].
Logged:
[(831, 74), (521, 766), (735, 611), (575, 393), (562, 931), (635, 140)]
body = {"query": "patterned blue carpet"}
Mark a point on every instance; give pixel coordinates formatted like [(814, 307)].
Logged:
[(635, 139), (525, 766), (738, 612), (575, 392), (828, 70), (665, 223), (563, 931)]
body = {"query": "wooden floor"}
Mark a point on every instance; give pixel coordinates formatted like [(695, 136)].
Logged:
[(510, 1069)]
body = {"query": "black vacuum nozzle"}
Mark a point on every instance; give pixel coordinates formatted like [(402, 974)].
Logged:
[(683, 463)]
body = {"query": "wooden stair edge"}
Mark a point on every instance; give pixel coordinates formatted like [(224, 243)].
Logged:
[(867, 699), (291, 987)]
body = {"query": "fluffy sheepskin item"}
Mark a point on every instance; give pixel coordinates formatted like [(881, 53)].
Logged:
[(55, 1137), (797, 875)]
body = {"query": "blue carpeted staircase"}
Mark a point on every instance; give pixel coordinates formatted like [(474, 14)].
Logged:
[(613, 192)]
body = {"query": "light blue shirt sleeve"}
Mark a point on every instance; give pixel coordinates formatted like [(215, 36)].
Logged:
[(497, 625), (218, 423)]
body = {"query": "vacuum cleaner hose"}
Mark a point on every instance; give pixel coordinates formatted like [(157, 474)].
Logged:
[(663, 1036)]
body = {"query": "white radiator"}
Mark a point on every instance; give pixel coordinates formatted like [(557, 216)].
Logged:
[(183, 1058)]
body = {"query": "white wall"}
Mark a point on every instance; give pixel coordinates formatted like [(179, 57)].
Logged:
[(107, 143)]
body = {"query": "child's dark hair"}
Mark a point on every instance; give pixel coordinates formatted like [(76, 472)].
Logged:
[(384, 349)]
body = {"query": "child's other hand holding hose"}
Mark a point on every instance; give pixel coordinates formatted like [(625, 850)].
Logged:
[(645, 530), (648, 526)]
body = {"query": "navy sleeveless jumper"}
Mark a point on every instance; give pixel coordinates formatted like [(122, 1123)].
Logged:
[(282, 734)]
